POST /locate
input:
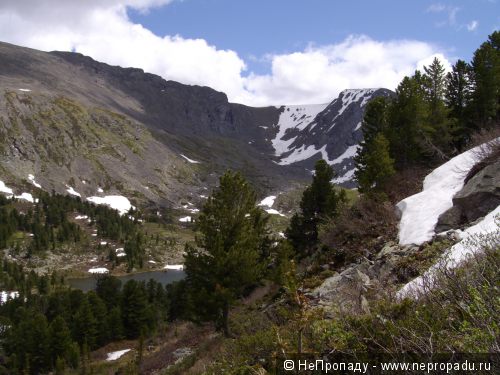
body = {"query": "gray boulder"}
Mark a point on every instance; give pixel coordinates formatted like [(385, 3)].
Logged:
[(479, 196)]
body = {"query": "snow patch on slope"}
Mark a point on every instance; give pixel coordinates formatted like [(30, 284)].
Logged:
[(117, 202), (420, 212), (304, 153), (27, 197), (5, 189), (268, 201), (72, 191), (456, 255), (294, 117), (349, 153), (190, 160), (351, 96), (32, 179), (348, 176), (113, 356)]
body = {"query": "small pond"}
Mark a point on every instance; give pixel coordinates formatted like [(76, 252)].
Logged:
[(165, 277)]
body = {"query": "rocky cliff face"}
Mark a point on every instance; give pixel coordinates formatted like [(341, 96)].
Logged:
[(331, 132), (66, 117)]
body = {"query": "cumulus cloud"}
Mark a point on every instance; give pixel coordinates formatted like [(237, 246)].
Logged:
[(102, 30), (320, 73)]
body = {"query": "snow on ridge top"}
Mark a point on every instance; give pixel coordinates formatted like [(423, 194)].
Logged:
[(420, 212), (190, 160), (359, 91), (294, 117), (116, 202)]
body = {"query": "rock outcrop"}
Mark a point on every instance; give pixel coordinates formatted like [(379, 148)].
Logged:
[(351, 289), (479, 196)]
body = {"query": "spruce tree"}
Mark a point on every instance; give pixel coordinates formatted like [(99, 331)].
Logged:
[(458, 96), (60, 341), (408, 117), (375, 166), (319, 202), (437, 135), (134, 309), (486, 95), (226, 258), (85, 325)]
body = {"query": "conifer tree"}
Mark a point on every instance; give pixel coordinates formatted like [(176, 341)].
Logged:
[(437, 136), (99, 311), (373, 162), (60, 341), (319, 202), (227, 256), (85, 325), (134, 309), (375, 166), (458, 97), (486, 95), (408, 121)]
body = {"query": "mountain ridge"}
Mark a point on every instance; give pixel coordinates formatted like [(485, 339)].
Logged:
[(168, 117)]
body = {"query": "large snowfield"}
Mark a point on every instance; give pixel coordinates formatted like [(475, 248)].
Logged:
[(420, 212)]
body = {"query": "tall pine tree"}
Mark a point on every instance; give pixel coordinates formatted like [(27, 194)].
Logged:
[(227, 257)]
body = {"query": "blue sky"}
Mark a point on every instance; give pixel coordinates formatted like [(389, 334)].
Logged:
[(259, 27), (259, 52)]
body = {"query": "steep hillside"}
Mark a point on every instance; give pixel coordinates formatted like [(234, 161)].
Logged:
[(66, 118)]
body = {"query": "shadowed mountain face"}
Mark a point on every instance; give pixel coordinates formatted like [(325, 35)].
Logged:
[(70, 120)]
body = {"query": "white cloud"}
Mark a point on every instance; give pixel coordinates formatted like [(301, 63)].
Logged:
[(451, 13), (102, 30), (318, 74), (472, 25), (436, 8)]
